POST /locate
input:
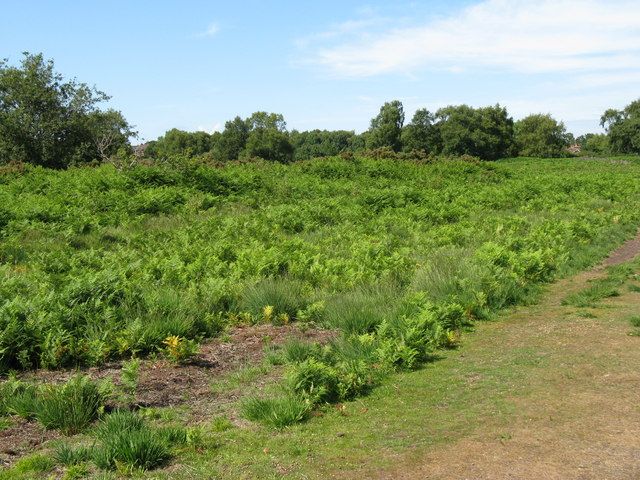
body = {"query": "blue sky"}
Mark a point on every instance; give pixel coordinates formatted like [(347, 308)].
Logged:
[(331, 64)]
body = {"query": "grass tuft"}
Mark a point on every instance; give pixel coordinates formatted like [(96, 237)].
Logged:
[(279, 412)]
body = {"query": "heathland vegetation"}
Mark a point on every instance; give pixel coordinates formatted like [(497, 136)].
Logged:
[(398, 240)]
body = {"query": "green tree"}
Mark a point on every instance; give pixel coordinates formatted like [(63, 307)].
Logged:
[(386, 127), (482, 132), (179, 142), (268, 138), (540, 135), (623, 128), (421, 133), (55, 123), (233, 139), (597, 143), (320, 143)]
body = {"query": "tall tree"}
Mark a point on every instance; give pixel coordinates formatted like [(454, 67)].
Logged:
[(386, 127), (421, 133), (623, 128), (51, 122), (540, 135), (482, 132)]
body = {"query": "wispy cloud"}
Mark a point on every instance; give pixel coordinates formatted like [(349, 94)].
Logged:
[(212, 30), (587, 37)]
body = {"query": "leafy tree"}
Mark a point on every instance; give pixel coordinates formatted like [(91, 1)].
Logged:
[(268, 138), (233, 139), (176, 142), (597, 143), (321, 143), (269, 144), (421, 133), (266, 121), (623, 128), (55, 123), (540, 135), (483, 132), (386, 127)]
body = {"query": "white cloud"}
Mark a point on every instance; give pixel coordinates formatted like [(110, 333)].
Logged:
[(216, 127), (586, 36), (211, 31)]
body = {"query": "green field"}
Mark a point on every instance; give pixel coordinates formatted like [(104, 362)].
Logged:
[(400, 257)]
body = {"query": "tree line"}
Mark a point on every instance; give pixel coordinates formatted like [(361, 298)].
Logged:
[(48, 121)]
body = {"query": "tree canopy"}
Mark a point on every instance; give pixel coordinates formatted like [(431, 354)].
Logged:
[(48, 121), (623, 128), (540, 135)]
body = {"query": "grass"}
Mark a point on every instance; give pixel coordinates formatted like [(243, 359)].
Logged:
[(600, 288), (277, 412), (285, 296), (72, 407), (124, 438)]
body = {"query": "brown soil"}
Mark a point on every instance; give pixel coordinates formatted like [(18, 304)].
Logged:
[(163, 384), (576, 418), (628, 251)]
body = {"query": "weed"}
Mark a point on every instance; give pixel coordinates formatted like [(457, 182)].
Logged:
[(179, 349)]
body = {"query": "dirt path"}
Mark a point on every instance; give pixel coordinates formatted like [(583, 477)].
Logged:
[(576, 408)]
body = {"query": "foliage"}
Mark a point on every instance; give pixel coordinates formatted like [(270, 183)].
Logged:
[(623, 128), (124, 438), (278, 412), (100, 264), (47, 121), (540, 135), (386, 127), (481, 132), (180, 349)]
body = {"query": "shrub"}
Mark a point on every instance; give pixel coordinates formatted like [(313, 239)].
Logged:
[(276, 412)]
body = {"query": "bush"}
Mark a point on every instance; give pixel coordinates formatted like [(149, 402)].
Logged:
[(277, 412)]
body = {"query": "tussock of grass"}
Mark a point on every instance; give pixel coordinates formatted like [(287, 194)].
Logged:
[(124, 438), (71, 407), (635, 321), (361, 310), (286, 296), (278, 412), (601, 288), (66, 455)]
